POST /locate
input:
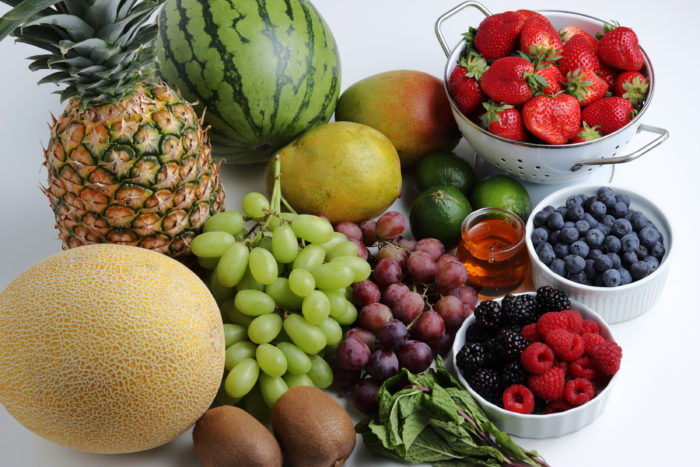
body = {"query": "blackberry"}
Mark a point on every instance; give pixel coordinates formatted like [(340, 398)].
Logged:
[(477, 333), (494, 354), (550, 299), (520, 310), (486, 383), (470, 358), (488, 314), (513, 373), (511, 343)]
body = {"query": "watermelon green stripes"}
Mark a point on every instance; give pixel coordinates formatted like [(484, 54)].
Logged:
[(263, 71)]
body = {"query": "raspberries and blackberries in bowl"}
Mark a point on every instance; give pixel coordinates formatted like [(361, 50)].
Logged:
[(605, 246), (539, 364)]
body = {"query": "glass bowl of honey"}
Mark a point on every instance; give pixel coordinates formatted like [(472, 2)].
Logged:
[(492, 247)]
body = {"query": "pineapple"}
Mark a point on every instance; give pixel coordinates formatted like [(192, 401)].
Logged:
[(128, 160)]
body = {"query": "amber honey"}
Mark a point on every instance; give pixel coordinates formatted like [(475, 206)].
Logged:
[(493, 250)]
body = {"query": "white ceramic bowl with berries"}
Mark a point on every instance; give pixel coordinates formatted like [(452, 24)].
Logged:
[(550, 163), (536, 425), (613, 303)]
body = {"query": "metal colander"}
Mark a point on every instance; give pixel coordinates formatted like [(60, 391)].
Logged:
[(545, 163)]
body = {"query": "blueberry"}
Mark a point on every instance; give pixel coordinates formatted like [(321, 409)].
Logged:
[(642, 251), (554, 236), (588, 201), (594, 238), (594, 253), (625, 276), (568, 235), (540, 219), (638, 220), (548, 209), (590, 269), (619, 209), (582, 226), (605, 190), (579, 277), (611, 277), (653, 263), (608, 199), (598, 280), (622, 197), (588, 217), (574, 212), (630, 242), (628, 257), (608, 220), (622, 227), (615, 258), (648, 236), (539, 235), (639, 270), (612, 244), (603, 262), (574, 200), (555, 221), (562, 210), (574, 264), (658, 249), (558, 267), (545, 253), (561, 249), (598, 210), (606, 229), (580, 248), (569, 224)]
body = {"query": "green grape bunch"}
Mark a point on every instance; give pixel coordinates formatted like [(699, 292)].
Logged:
[(283, 284)]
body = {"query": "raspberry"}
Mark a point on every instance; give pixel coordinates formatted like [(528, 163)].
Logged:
[(590, 326), (537, 358), (518, 398), (591, 340), (557, 406), (606, 357), (530, 333), (548, 385), (550, 321), (582, 368), (579, 391), (575, 321), (566, 345)]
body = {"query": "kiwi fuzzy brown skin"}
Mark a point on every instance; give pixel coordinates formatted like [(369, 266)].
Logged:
[(313, 429), (228, 436)]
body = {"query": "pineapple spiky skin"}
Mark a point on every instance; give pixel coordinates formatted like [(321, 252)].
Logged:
[(136, 172)]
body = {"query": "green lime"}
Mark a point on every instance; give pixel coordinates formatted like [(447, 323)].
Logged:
[(501, 191), (438, 212), (444, 168)]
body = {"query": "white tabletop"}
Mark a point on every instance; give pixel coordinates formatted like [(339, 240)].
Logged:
[(650, 418)]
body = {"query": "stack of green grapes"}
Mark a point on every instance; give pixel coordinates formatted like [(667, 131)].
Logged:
[(282, 281)]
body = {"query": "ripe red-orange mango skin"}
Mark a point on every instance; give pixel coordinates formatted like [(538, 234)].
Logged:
[(410, 107)]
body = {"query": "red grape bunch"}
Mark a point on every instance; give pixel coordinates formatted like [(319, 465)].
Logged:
[(409, 308)]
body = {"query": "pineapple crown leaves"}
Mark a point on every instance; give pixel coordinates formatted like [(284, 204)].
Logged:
[(475, 65), (97, 50), (493, 113)]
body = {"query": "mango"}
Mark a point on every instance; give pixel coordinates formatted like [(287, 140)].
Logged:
[(409, 107)]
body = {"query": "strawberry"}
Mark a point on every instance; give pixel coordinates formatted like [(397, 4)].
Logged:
[(631, 85), (609, 75), (539, 39), (464, 82), (503, 120), (609, 114), (585, 133), (497, 35), (619, 48), (506, 80), (567, 32), (552, 76), (585, 86), (526, 14), (578, 54), (554, 120)]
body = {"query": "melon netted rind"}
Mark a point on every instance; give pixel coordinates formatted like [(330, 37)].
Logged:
[(109, 348)]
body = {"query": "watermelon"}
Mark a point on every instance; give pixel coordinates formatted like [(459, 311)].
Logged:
[(261, 71)]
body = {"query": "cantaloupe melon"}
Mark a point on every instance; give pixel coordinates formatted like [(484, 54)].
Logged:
[(109, 348)]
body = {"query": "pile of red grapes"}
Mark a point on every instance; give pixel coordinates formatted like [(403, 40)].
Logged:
[(409, 308)]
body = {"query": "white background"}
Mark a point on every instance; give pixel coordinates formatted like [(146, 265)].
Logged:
[(651, 417)]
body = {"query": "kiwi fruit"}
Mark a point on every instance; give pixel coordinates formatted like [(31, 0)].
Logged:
[(227, 436), (313, 429)]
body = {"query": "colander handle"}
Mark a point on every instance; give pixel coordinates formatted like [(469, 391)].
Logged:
[(663, 136), (452, 12)]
